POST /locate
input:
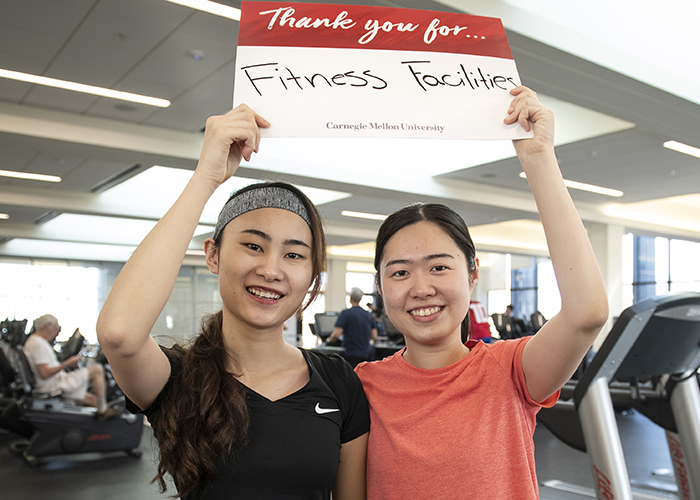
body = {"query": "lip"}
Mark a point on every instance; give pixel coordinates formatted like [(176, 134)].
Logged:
[(264, 289), (428, 318)]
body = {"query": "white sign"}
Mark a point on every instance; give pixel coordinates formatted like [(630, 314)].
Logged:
[(318, 70)]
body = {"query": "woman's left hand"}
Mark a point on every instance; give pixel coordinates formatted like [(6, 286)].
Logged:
[(530, 114)]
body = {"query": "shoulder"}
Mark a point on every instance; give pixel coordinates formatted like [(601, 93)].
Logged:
[(508, 347), (37, 344), (506, 353), (371, 370), (331, 366), (33, 339), (344, 383)]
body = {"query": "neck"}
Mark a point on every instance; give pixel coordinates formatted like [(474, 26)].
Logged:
[(431, 357), (255, 349)]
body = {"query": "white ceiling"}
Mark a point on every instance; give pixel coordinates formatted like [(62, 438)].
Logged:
[(621, 77)]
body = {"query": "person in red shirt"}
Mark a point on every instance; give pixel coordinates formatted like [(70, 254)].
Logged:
[(479, 326)]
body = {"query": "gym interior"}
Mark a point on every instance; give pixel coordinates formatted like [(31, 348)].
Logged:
[(627, 109)]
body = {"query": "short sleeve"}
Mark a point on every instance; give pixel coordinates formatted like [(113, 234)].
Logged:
[(151, 412), (342, 319), (346, 385), (357, 421), (511, 359), (39, 353)]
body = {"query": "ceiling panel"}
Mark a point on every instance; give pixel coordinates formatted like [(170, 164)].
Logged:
[(21, 215), (125, 111), (211, 96), (52, 164), (89, 173), (108, 46), (15, 158), (50, 17), (58, 99), (27, 50), (173, 63), (631, 161)]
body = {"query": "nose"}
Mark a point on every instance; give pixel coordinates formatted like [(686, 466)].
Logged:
[(270, 268), (421, 285)]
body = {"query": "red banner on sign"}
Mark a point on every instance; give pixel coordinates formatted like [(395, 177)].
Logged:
[(268, 24)]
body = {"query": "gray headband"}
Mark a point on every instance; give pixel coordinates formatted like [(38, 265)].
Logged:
[(265, 197)]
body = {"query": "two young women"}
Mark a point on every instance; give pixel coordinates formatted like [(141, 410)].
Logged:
[(226, 410)]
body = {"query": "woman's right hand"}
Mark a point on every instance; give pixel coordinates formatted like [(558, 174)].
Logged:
[(228, 139)]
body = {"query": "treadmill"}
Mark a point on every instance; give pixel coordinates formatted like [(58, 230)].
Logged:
[(648, 361)]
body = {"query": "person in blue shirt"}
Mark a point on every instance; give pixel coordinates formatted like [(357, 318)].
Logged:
[(358, 328)]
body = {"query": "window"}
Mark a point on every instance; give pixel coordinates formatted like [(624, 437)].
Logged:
[(656, 265), (68, 291), (363, 281)]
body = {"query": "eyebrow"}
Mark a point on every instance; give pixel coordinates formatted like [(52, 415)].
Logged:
[(425, 259), (267, 237)]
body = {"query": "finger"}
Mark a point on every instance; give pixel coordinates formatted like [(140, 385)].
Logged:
[(524, 119), (514, 111), (251, 136), (262, 122)]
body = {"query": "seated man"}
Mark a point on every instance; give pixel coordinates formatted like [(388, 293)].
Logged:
[(50, 374), (357, 327)]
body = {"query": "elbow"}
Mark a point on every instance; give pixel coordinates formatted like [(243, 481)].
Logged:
[(596, 317), (109, 338), (588, 318)]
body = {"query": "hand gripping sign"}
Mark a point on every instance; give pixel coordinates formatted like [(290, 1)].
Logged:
[(321, 70)]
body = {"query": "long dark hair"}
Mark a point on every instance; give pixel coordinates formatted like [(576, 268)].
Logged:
[(204, 420), (446, 219)]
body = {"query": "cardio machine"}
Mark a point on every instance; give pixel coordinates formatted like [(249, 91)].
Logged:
[(649, 361), (52, 425)]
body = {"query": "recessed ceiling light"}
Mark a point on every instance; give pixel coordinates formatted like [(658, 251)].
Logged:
[(127, 108), (81, 87), (362, 215), (29, 176), (592, 188), (682, 148), (4, 216), (211, 7), (197, 55)]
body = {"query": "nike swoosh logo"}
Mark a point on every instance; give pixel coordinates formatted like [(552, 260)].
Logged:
[(321, 411)]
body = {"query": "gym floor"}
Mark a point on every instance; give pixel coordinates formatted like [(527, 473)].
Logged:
[(113, 476)]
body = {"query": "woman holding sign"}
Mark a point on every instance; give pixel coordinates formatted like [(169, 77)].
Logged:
[(239, 413), (445, 414)]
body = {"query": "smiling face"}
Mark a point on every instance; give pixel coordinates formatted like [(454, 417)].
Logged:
[(264, 263), (425, 284)]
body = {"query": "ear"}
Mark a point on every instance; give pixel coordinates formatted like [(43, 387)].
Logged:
[(211, 255), (474, 277)]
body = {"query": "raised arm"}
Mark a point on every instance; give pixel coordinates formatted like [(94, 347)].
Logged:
[(147, 279), (551, 357)]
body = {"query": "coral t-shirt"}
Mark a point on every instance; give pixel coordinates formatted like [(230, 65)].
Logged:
[(462, 431)]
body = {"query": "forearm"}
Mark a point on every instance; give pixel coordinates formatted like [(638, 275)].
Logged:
[(145, 283), (583, 296), (45, 372), (337, 332)]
